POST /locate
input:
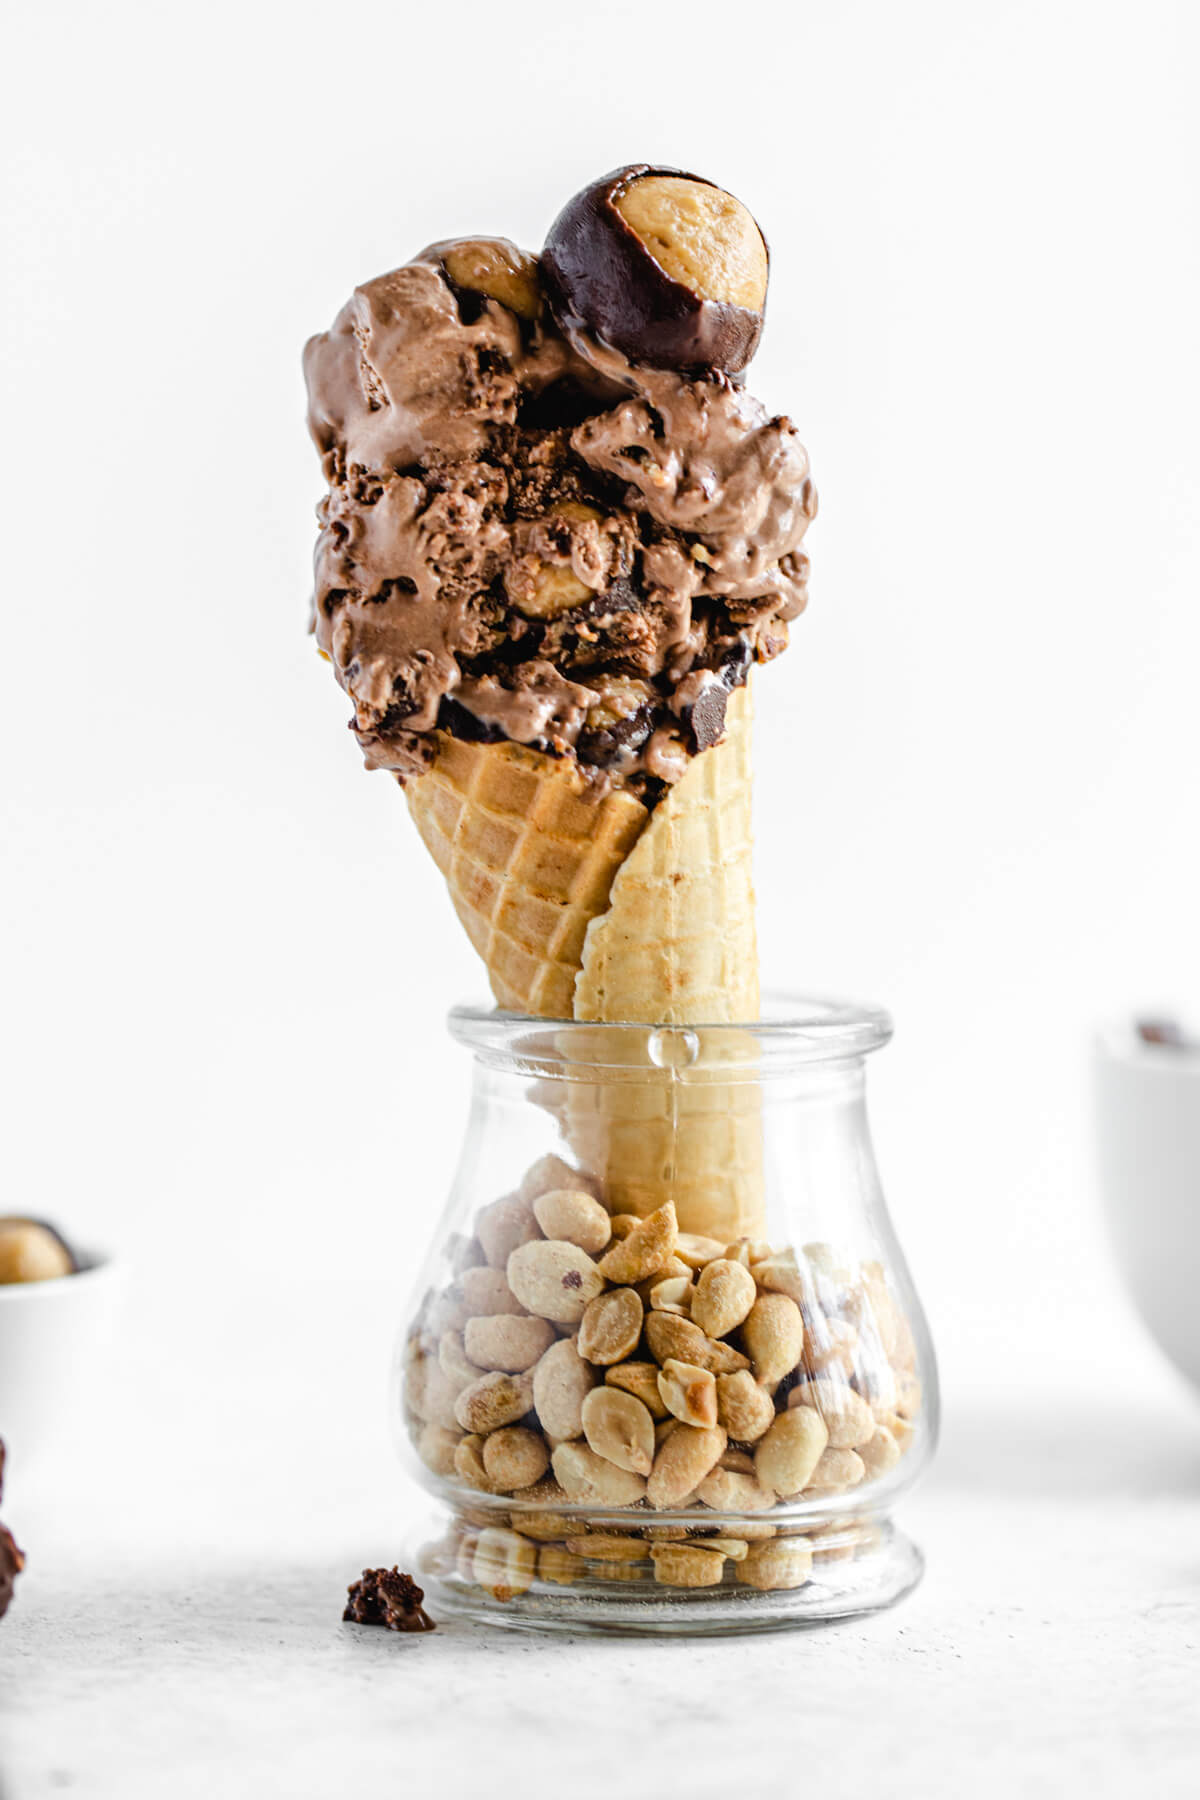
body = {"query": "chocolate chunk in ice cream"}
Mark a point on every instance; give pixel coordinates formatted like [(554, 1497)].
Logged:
[(665, 266), (529, 536)]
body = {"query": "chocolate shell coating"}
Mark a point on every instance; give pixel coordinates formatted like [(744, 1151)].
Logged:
[(603, 281)]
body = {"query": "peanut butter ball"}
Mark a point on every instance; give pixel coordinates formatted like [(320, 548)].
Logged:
[(664, 266), (31, 1251)]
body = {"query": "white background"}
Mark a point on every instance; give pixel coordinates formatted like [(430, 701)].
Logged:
[(226, 956)]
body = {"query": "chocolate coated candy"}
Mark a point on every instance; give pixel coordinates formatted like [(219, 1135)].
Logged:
[(664, 266)]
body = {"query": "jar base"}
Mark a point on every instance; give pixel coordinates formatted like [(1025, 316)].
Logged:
[(843, 1589)]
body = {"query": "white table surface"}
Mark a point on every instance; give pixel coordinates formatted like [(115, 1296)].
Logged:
[(177, 1631)]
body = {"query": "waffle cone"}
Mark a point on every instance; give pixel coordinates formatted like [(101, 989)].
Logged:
[(592, 908)]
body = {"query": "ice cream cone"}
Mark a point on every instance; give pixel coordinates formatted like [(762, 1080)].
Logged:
[(594, 909)]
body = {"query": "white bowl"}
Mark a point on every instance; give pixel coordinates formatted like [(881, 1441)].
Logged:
[(52, 1338), (1148, 1131)]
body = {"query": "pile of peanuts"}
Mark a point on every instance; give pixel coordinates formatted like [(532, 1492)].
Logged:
[(585, 1360)]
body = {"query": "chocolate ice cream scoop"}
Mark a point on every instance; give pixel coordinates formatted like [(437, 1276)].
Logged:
[(531, 532)]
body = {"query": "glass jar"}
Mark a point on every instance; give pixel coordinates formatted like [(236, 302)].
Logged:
[(666, 1369)]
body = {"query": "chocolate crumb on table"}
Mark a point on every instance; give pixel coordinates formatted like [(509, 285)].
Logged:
[(11, 1559), (388, 1598)]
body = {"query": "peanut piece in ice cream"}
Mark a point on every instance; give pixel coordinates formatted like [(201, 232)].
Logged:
[(670, 1337), (724, 1296), (619, 1428), (648, 1247), (503, 1226), (848, 1418), (561, 1383), (686, 1565), (505, 1342), (641, 1380), (682, 1462), (689, 1392), (498, 270), (781, 1563), (573, 1216), (514, 1457), (542, 590), (553, 1279), (790, 1451), (611, 1327), (774, 1337), (486, 1294), (743, 1408), (591, 1480), (494, 1400), (505, 1563)]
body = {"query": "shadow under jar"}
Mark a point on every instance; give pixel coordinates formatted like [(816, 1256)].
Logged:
[(667, 1371)]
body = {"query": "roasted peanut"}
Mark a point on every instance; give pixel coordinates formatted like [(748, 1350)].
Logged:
[(728, 1491), (695, 1251), (464, 1252), (611, 1327), (733, 1549), (494, 1400), (608, 1546), (835, 1263), (781, 1563), (619, 1429), (486, 1294), (436, 1447), (641, 1380), (689, 1392), (746, 1251), (880, 1453), (902, 1431), (671, 1270), (725, 1292), (621, 1224), (552, 1172), (790, 1451), (686, 1565), (774, 1336), (649, 1245), (504, 1226), (514, 1457), (743, 1408), (559, 1565), (554, 1279), (588, 1479), (740, 1461), (674, 1295), (671, 1338), (505, 1342), (573, 1217), (468, 1463), (499, 271), (455, 1362), (505, 1563), (561, 1381), (781, 1274), (835, 1469), (848, 1418), (441, 1397), (682, 1462)]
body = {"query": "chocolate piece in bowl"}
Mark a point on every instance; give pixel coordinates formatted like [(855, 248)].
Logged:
[(389, 1598), (12, 1561)]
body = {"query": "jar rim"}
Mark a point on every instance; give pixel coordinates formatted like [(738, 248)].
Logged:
[(794, 1029)]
